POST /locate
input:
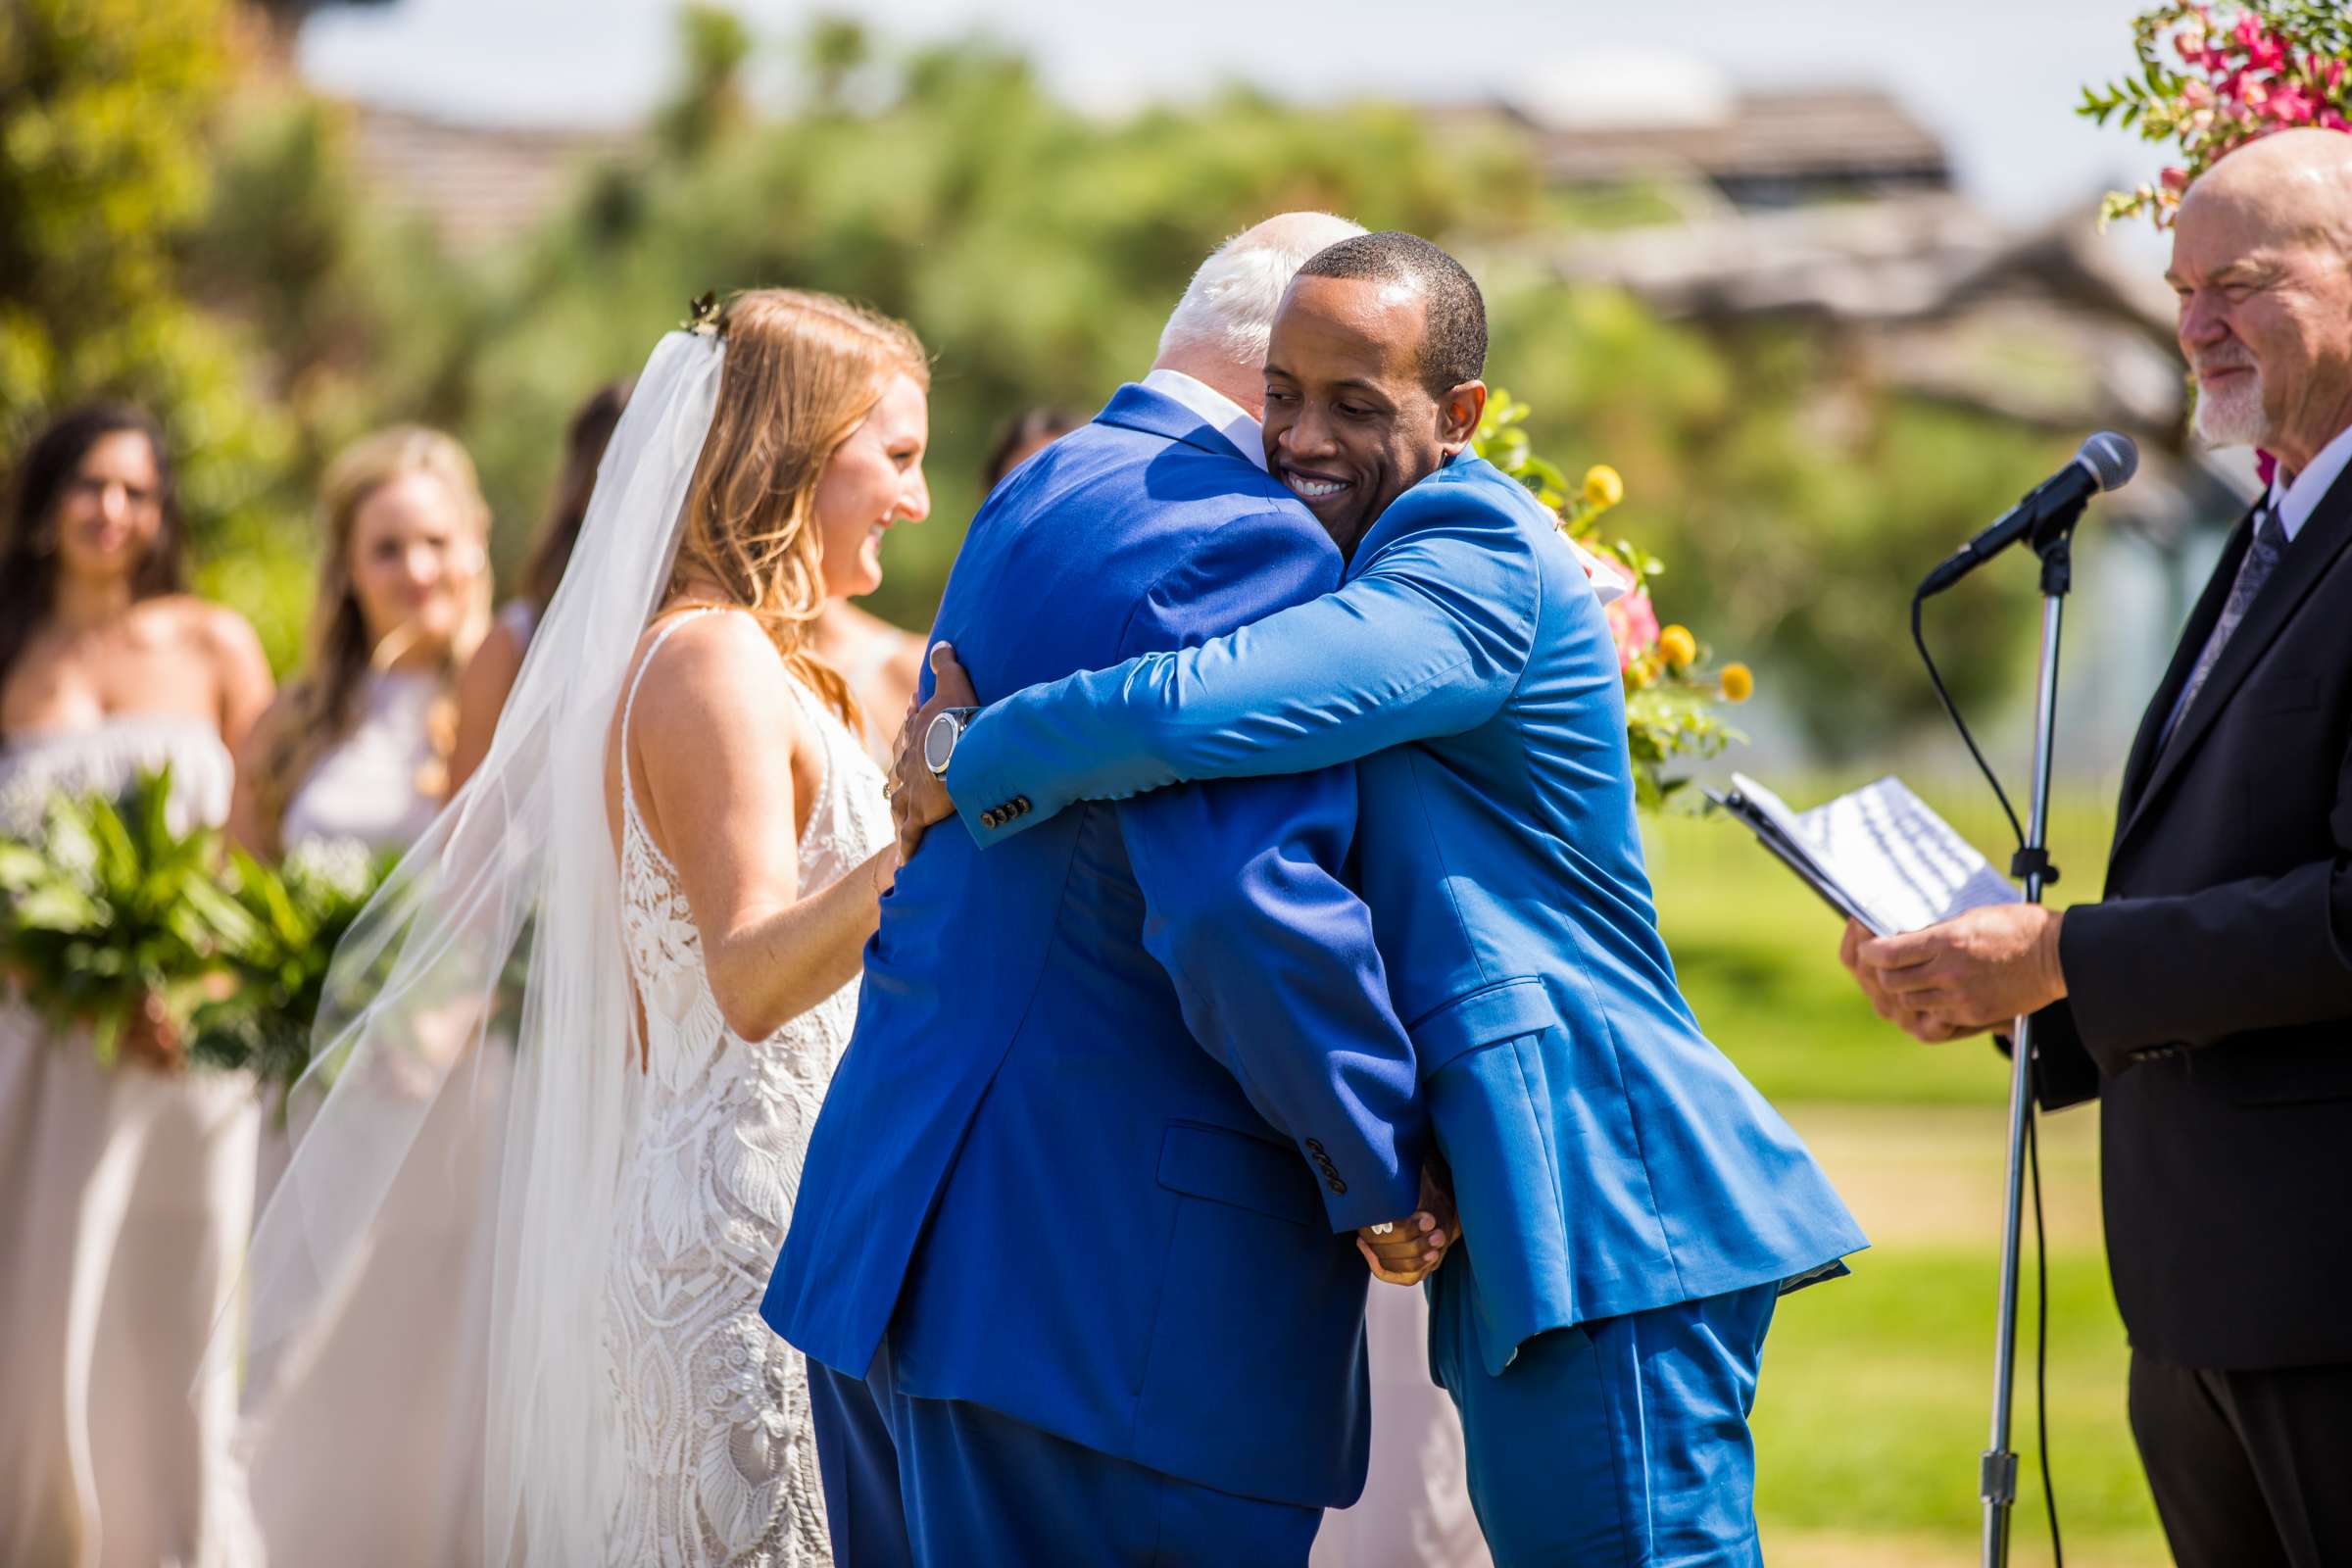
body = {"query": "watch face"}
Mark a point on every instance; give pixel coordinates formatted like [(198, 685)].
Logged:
[(939, 742)]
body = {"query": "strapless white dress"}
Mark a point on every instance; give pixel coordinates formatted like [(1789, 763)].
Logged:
[(129, 1199)]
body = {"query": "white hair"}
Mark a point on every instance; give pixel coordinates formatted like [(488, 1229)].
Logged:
[(1228, 309)]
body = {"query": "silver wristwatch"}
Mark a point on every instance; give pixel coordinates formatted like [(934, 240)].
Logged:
[(947, 727)]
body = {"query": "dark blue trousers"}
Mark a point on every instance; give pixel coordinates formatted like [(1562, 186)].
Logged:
[(913, 1483), (1620, 1442)]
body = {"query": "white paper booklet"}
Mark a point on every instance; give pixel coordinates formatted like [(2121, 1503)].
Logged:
[(1880, 853)]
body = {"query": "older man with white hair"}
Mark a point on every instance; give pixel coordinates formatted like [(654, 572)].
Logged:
[(2207, 1000), (1072, 1259)]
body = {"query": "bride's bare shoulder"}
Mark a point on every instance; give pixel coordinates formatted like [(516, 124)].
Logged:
[(709, 674)]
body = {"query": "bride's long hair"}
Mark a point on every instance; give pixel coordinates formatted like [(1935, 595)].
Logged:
[(803, 371)]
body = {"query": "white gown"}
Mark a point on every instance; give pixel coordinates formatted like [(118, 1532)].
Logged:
[(128, 1200), (714, 1407), (370, 1452), (1415, 1510)]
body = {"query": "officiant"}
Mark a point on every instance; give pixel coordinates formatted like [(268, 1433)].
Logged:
[(2206, 1001)]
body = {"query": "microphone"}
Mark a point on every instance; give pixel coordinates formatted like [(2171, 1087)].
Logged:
[(2106, 461)]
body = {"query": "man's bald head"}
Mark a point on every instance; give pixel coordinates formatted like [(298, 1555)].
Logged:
[(2262, 265), (2292, 183)]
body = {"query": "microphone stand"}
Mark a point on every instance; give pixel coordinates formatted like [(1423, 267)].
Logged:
[(1997, 1473)]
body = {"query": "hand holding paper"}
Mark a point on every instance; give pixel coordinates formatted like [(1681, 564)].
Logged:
[(1936, 937), (1980, 970)]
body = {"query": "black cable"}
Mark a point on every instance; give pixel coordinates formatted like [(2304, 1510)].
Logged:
[(2042, 1256), (2041, 1337), (1935, 680)]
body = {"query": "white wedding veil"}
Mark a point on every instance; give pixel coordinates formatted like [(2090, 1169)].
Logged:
[(514, 888)]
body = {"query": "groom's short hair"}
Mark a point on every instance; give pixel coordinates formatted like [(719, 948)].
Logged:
[(1454, 334)]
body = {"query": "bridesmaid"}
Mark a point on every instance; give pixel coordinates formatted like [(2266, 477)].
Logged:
[(366, 1448), (358, 748), (490, 674), (128, 1193)]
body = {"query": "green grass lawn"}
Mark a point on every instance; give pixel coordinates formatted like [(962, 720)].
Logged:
[(1877, 1388)]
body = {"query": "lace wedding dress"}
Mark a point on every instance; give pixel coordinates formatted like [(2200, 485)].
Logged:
[(714, 1408)]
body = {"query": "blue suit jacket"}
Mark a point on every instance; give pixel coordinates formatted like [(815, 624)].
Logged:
[(1607, 1158), (1112, 1094)]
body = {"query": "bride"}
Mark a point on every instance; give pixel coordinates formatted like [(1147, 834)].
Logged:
[(677, 801)]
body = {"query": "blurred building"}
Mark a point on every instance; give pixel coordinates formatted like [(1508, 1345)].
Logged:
[(477, 186)]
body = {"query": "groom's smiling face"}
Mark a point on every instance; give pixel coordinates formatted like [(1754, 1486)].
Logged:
[(1351, 421)]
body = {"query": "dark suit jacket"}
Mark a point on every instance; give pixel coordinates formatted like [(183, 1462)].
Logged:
[(2210, 995)]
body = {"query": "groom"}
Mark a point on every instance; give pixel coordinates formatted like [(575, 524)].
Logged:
[(1631, 1209), (1072, 1260)]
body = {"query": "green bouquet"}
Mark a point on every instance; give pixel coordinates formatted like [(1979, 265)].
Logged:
[(109, 913), (296, 914)]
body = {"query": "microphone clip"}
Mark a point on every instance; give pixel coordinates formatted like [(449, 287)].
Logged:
[(2033, 863)]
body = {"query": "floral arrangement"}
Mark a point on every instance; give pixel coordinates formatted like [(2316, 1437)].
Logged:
[(1670, 685), (296, 915), (109, 917), (2214, 76)]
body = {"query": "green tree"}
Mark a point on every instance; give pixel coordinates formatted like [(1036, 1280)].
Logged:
[(1795, 502), (107, 109)]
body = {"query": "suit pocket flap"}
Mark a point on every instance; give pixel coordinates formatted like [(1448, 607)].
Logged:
[(1503, 1010), (1229, 1167)]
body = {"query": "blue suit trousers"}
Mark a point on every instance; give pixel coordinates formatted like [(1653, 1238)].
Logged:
[(914, 1482), (1620, 1443)]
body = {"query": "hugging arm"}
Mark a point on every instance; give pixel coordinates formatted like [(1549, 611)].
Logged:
[(1270, 953), (1428, 640)]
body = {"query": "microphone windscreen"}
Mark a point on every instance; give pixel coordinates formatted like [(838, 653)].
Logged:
[(2112, 459)]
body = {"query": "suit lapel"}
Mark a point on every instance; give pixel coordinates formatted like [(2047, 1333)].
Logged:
[(2299, 570)]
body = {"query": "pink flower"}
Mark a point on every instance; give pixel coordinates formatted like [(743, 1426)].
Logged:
[(2264, 51), (2290, 105), (2333, 119), (1634, 623), (2197, 94), (2176, 179)]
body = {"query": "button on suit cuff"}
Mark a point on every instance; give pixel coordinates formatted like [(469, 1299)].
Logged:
[(992, 807), (1370, 1198)]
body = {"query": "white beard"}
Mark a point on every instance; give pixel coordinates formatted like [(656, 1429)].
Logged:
[(2233, 417)]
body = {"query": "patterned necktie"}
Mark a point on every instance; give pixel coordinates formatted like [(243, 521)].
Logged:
[(2261, 560)]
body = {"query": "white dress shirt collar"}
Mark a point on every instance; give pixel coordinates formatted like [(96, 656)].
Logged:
[(1219, 411), (2296, 499)]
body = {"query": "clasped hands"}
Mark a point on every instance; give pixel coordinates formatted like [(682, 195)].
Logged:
[(1416, 1245), (1976, 971)]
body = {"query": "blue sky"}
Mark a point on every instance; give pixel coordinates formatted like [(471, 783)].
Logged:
[(1997, 78)]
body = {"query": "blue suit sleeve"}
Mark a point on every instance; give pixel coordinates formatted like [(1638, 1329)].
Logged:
[(1428, 639), (1271, 955)]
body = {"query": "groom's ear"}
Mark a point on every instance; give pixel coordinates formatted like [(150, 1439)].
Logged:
[(1459, 414)]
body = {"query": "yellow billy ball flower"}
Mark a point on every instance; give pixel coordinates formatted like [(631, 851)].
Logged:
[(1738, 683), (1678, 647), (1604, 488)]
